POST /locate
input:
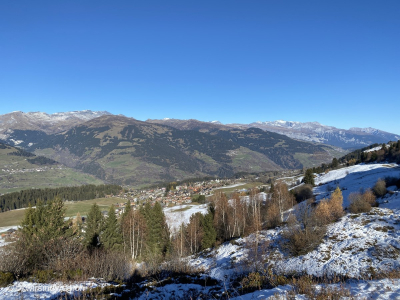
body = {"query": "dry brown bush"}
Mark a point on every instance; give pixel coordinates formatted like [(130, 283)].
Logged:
[(323, 212), (358, 204), (369, 197), (303, 232), (272, 216), (379, 188)]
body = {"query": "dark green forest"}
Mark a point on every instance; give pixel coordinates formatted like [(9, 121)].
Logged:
[(23, 198)]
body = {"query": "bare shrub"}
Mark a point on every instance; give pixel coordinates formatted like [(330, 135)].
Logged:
[(328, 211), (272, 216), (336, 204), (110, 265), (15, 259), (358, 204), (369, 197), (323, 212), (304, 232), (379, 188)]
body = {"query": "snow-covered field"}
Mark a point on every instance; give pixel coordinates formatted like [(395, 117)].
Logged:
[(177, 215), (33, 291)]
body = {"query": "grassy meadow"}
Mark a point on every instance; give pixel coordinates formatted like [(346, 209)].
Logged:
[(14, 217)]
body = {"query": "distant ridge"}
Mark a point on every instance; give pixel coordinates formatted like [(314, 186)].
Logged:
[(316, 132), (48, 123)]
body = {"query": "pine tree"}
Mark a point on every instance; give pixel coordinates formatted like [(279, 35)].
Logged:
[(209, 233), (309, 177), (55, 214), (111, 237), (94, 227), (158, 233), (335, 163)]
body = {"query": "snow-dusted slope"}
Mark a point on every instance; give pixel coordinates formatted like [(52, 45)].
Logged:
[(353, 179), (177, 215), (49, 123)]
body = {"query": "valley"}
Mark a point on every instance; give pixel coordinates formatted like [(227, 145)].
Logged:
[(206, 211)]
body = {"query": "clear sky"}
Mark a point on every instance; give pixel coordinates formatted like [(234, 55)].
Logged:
[(335, 62)]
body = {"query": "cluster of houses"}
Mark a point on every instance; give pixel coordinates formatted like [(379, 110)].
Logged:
[(24, 170), (180, 194)]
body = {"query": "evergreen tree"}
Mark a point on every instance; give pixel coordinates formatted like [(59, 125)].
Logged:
[(111, 237), (41, 228), (335, 163), (94, 227), (309, 177), (158, 233), (127, 211), (54, 216), (209, 235)]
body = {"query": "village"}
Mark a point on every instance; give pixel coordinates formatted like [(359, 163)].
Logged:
[(179, 194)]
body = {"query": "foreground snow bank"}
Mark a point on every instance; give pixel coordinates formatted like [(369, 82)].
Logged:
[(371, 289), (33, 291), (356, 246)]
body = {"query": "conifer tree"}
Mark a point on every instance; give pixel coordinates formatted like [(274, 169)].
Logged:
[(158, 233), (94, 227), (209, 233), (309, 177), (111, 237), (335, 163)]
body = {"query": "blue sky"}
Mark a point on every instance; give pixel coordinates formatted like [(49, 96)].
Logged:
[(335, 62)]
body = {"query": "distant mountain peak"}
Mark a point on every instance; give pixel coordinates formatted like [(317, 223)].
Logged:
[(49, 123), (317, 132)]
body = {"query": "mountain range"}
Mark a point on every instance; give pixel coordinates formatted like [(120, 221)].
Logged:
[(352, 138), (127, 151)]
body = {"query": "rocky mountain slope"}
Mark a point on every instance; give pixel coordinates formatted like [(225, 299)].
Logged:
[(316, 132), (48, 123)]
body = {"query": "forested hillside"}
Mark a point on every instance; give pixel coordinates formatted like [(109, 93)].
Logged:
[(33, 196), (127, 151)]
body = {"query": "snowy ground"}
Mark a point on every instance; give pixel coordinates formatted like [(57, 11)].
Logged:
[(360, 289), (177, 215), (33, 291), (353, 179), (4, 229)]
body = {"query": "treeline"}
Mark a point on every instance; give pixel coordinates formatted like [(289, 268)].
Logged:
[(21, 152), (23, 198), (41, 160), (389, 152), (36, 160)]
